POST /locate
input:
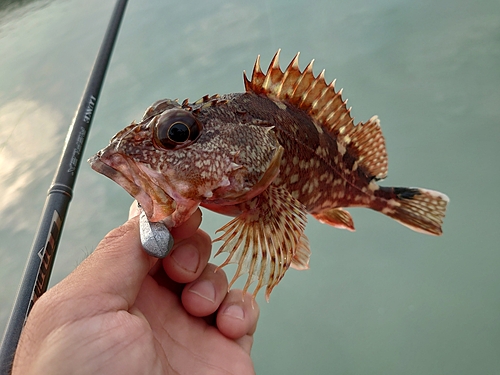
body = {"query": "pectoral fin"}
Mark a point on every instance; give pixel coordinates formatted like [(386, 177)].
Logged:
[(266, 239)]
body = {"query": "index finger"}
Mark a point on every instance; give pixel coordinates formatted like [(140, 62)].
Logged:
[(182, 232)]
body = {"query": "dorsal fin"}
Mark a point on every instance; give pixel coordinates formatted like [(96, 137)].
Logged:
[(203, 103), (325, 106)]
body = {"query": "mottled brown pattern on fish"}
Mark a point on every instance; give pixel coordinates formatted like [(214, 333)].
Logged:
[(312, 169), (286, 147), (317, 176)]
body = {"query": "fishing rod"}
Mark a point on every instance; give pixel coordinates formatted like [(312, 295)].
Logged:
[(42, 255)]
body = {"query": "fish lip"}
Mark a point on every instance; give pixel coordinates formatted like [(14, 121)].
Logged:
[(113, 166)]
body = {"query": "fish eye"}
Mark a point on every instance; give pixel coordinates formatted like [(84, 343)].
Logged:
[(178, 132), (176, 128)]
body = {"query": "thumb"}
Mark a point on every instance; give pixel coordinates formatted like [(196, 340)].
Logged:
[(114, 272)]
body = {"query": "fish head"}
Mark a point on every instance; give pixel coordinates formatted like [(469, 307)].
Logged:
[(177, 158)]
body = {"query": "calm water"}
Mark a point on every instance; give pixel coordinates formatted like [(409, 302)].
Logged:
[(383, 300)]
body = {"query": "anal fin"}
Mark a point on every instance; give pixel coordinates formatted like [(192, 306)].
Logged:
[(266, 239), (336, 217)]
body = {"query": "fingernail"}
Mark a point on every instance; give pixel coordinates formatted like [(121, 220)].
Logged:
[(187, 257), (234, 311), (134, 210), (204, 289)]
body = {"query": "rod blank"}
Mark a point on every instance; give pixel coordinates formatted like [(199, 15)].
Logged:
[(42, 255)]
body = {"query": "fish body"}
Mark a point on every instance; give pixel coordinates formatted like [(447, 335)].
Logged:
[(284, 148)]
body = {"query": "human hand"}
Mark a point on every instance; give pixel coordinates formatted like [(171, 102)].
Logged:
[(123, 312)]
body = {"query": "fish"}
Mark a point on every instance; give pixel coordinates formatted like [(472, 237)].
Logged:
[(286, 147)]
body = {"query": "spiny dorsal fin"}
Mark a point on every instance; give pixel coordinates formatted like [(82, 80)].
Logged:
[(203, 103), (325, 106)]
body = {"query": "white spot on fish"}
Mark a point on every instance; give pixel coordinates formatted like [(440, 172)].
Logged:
[(358, 197), (305, 187), (324, 176), (320, 151), (225, 181), (294, 178), (341, 148), (280, 105), (373, 186)]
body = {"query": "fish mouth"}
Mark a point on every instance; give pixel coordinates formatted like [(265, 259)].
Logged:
[(156, 204)]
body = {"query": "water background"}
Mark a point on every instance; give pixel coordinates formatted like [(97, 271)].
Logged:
[(382, 300)]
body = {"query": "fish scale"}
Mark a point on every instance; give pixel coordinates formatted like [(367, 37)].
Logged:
[(285, 147)]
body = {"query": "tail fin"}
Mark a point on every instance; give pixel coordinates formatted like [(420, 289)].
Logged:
[(419, 209)]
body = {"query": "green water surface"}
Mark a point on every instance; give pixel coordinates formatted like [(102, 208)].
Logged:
[(382, 300)]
